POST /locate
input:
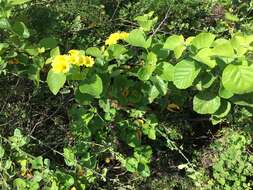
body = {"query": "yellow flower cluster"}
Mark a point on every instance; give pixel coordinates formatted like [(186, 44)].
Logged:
[(62, 63), (115, 37)]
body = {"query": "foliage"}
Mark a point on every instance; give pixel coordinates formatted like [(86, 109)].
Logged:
[(116, 84), (228, 165), (21, 170)]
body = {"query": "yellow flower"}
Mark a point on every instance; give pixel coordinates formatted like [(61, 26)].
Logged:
[(74, 52), (81, 61), (85, 61), (74, 60), (124, 35), (115, 37), (89, 61), (60, 64), (74, 57)]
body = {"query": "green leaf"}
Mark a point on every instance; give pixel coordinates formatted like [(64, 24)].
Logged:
[(20, 29), (206, 103), (94, 51), (76, 74), (189, 40), (231, 17), (1, 151), (17, 140), (37, 162), (219, 41), (224, 93), (204, 56), (143, 153), (144, 170), (173, 41), (7, 164), (132, 139), (151, 58), (32, 51), (4, 23), (3, 46), (243, 100), (68, 181), (69, 157), (206, 80), (84, 99), (149, 131), (48, 43), (55, 51), (55, 81), (238, 79), (138, 38), (152, 133), (241, 43), (131, 164), (34, 185), (160, 85), (145, 72), (116, 50), (92, 86), (178, 51), (215, 120), (157, 48), (224, 50), (145, 21), (153, 93), (184, 74), (18, 2), (165, 71), (223, 110), (37, 176), (203, 40), (20, 184)]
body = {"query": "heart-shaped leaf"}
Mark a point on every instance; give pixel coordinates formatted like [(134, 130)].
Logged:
[(165, 71), (184, 73), (205, 56), (206, 103), (55, 81), (92, 86), (20, 29), (203, 40), (173, 41), (238, 79), (138, 38), (223, 110), (224, 50), (94, 51)]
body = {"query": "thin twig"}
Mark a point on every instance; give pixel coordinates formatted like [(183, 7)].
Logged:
[(114, 13), (161, 23)]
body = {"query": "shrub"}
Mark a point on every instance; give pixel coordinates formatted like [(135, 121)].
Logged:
[(117, 85)]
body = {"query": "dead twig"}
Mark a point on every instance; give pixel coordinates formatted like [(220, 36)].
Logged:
[(161, 23)]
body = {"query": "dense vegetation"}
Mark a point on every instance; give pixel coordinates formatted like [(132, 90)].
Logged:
[(126, 94)]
